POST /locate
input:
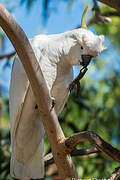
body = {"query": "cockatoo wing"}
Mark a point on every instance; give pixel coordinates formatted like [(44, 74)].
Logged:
[(27, 131)]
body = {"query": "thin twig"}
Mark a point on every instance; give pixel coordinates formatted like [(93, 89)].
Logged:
[(98, 16), (8, 55), (105, 18), (111, 13), (76, 82), (83, 152), (96, 20), (96, 8), (48, 159), (96, 140)]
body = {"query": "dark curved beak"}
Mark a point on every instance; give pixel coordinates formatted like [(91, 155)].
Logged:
[(86, 60)]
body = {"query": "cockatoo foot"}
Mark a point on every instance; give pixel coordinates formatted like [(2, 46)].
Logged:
[(53, 103)]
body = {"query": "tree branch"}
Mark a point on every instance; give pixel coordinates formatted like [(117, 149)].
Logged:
[(84, 152), (96, 20), (96, 140), (8, 55), (111, 13), (52, 127), (104, 17), (76, 81), (81, 152), (112, 3), (98, 17)]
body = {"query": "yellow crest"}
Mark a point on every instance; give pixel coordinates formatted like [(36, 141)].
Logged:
[(83, 24)]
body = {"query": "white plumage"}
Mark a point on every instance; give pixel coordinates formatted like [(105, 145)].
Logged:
[(56, 55)]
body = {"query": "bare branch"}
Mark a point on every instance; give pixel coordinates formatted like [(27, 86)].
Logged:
[(103, 18), (76, 82), (96, 20), (96, 8), (96, 140), (8, 55), (111, 13), (115, 175), (112, 3), (98, 16), (24, 50), (81, 152)]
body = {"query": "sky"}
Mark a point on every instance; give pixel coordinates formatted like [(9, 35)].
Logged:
[(60, 20)]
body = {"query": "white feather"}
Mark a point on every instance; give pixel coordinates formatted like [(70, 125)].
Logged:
[(56, 55)]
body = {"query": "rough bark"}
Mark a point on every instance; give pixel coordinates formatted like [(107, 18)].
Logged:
[(112, 3), (52, 127)]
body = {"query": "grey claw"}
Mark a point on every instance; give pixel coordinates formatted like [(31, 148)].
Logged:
[(36, 106), (53, 104)]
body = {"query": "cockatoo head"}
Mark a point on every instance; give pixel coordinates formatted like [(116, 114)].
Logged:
[(86, 44)]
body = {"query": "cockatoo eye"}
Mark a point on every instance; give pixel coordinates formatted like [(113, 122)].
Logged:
[(81, 47), (86, 60)]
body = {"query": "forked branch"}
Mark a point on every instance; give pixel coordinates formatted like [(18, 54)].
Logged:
[(77, 152), (99, 145), (96, 140)]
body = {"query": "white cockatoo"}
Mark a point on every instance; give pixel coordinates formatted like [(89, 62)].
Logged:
[(56, 55)]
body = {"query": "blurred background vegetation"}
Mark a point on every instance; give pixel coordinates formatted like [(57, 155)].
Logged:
[(97, 107)]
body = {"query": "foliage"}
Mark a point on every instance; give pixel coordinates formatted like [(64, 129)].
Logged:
[(4, 139), (97, 108), (111, 30)]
